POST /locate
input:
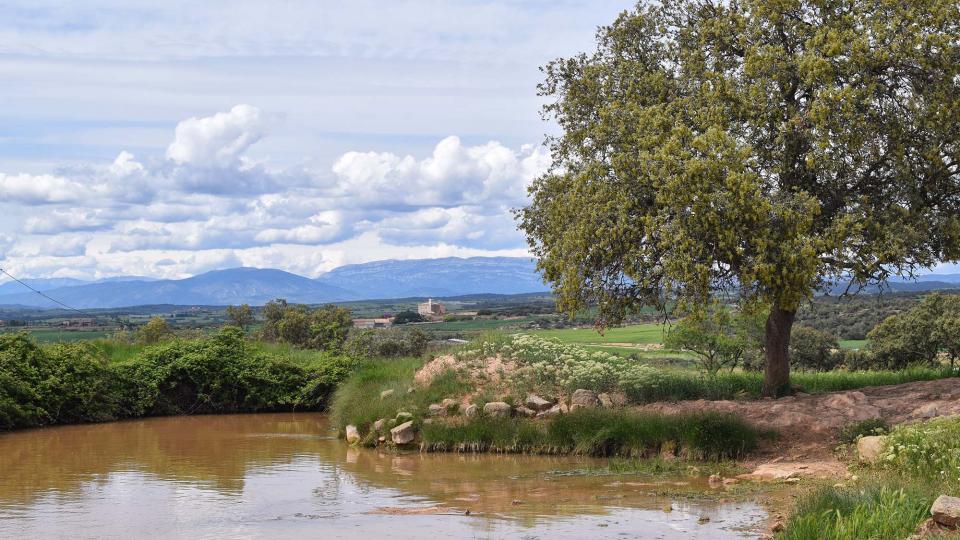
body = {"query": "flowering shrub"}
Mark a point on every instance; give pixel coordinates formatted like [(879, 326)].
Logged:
[(931, 449), (545, 363)]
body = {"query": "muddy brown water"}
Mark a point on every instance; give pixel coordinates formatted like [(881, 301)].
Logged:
[(288, 476)]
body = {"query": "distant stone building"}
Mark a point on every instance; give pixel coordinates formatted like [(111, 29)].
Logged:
[(78, 322), (372, 323), (431, 309)]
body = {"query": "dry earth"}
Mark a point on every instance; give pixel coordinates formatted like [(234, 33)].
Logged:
[(808, 425)]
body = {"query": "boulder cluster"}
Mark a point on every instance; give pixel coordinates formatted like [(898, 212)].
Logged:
[(402, 429)]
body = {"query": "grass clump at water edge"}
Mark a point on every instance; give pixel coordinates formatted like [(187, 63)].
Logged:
[(599, 432)]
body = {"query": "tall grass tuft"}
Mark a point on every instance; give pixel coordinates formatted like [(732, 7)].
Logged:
[(599, 432)]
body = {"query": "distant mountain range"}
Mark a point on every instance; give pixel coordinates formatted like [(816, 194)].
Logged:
[(376, 280), (369, 281)]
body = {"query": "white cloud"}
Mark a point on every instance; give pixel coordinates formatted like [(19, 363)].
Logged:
[(39, 189), (453, 175), (67, 220), (219, 140)]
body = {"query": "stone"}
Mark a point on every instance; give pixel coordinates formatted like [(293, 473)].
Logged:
[(385, 394), (869, 448), (379, 425), (497, 409), (946, 511), (668, 451), (435, 409), (450, 405), (583, 398), (605, 400), (559, 408), (403, 416), (730, 481), (381, 439), (353, 436), (715, 479), (930, 528), (404, 433), (524, 411), (472, 411), (537, 403)]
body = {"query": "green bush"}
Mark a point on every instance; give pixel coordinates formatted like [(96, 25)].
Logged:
[(69, 383), (872, 426), (813, 350), (392, 343)]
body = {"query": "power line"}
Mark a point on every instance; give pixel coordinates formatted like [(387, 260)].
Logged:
[(54, 300)]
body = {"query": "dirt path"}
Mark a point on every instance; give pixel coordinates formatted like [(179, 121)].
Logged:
[(808, 424)]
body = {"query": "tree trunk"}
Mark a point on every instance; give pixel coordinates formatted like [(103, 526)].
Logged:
[(776, 375)]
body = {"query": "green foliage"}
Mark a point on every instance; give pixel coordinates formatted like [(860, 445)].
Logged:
[(875, 511), (599, 432), (155, 331), (407, 317), (763, 148), (872, 426), (390, 343), (814, 350), (917, 335), (69, 383), (241, 315), (930, 450), (325, 328), (717, 336)]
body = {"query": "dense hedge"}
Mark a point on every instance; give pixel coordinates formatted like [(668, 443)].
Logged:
[(70, 383)]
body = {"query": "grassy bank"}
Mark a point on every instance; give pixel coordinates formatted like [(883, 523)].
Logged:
[(94, 382), (921, 462), (598, 432)]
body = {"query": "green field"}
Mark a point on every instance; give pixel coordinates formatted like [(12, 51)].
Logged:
[(640, 334), (63, 336), (853, 343)]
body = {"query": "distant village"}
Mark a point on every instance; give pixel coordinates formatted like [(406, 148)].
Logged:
[(429, 311)]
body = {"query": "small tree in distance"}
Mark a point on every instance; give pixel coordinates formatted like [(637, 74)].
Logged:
[(241, 315), (764, 149), (407, 317)]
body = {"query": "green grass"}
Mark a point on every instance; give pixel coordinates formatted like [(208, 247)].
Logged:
[(65, 336), (640, 334), (853, 343), (879, 510), (599, 432), (357, 401)]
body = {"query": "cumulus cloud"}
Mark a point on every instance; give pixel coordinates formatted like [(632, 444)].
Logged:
[(453, 175), (205, 204), (218, 140), (39, 189), (67, 220)]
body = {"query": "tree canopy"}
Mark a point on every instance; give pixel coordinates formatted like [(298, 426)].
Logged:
[(769, 148)]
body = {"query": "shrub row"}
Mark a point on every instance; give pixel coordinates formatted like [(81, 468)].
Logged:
[(70, 383)]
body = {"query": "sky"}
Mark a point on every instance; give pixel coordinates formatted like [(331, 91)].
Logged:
[(166, 139)]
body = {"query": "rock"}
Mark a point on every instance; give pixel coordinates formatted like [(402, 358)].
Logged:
[(427, 421), (523, 411), (703, 519), (472, 411), (929, 410), (946, 511), (869, 448), (537, 403), (403, 416), (497, 409), (583, 398), (777, 527), (560, 408), (435, 409), (715, 479), (385, 394), (730, 481), (605, 400), (404, 433), (930, 528), (381, 439), (353, 436), (379, 424), (450, 404)]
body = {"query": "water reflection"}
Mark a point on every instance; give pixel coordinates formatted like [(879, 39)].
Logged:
[(286, 476)]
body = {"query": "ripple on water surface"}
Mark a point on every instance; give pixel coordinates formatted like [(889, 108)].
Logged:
[(286, 476)]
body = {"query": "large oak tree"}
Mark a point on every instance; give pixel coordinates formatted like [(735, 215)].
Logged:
[(769, 148)]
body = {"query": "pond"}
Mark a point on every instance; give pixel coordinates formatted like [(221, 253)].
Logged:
[(288, 476)]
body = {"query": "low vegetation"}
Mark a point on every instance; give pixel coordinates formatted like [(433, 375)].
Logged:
[(920, 462), (599, 432), (79, 382)]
